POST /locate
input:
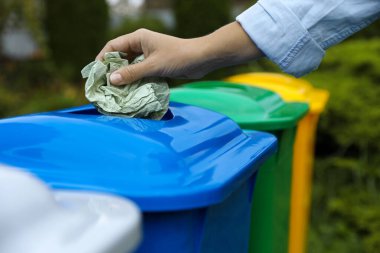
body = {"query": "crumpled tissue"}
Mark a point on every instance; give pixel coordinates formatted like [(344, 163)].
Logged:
[(146, 98)]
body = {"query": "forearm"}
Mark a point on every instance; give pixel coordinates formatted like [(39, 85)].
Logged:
[(227, 46), (168, 56)]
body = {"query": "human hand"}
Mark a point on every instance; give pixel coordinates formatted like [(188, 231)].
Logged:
[(168, 56)]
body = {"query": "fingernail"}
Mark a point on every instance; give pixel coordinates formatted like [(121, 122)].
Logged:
[(115, 78)]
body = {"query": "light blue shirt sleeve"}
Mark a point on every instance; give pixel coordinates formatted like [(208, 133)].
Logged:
[(295, 33)]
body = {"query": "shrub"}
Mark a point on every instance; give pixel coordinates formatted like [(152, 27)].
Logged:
[(346, 206), (351, 72)]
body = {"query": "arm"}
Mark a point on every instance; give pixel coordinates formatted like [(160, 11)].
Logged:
[(294, 34), (168, 56)]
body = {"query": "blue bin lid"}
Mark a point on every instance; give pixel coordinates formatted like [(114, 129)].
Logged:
[(192, 158)]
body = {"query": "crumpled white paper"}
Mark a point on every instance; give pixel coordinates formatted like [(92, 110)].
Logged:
[(146, 98)]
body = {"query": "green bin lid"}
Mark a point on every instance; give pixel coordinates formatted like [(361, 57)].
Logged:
[(251, 107)]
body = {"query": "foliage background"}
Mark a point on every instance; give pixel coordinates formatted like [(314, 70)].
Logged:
[(346, 193)]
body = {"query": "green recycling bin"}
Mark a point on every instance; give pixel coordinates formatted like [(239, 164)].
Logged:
[(258, 109)]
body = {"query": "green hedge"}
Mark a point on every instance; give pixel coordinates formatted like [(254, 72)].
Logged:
[(346, 202)]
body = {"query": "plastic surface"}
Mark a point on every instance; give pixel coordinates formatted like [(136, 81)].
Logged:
[(193, 158), (192, 174), (258, 109), (302, 182), (250, 107), (222, 228), (293, 89), (35, 219), (289, 88), (272, 199)]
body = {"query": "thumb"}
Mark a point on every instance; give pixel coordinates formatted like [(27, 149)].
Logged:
[(130, 73)]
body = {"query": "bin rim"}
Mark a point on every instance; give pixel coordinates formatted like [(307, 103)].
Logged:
[(291, 89), (276, 113), (196, 159), (32, 212)]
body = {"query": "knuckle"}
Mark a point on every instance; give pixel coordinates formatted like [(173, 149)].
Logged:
[(109, 43), (142, 30), (150, 64), (128, 73)]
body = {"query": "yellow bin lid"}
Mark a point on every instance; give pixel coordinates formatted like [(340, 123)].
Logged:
[(289, 88)]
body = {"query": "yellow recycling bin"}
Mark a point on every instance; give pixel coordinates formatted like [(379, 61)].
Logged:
[(295, 90)]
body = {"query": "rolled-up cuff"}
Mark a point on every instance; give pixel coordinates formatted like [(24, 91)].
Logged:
[(280, 35)]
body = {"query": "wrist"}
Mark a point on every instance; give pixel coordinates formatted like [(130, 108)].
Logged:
[(229, 45)]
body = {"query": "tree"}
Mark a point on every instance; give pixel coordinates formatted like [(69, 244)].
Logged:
[(76, 31), (199, 17), (27, 13)]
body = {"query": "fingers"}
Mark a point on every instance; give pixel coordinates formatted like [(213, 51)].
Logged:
[(132, 45), (107, 48), (129, 43), (131, 73)]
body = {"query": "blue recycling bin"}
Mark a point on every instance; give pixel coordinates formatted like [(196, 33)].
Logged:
[(191, 173)]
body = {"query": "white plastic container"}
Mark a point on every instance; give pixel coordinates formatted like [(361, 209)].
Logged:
[(35, 219)]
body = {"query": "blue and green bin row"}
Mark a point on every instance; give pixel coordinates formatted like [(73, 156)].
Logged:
[(206, 177), (192, 174), (259, 109)]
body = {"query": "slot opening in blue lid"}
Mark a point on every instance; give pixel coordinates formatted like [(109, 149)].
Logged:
[(92, 111)]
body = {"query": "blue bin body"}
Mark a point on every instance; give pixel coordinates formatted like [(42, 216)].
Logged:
[(192, 173)]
